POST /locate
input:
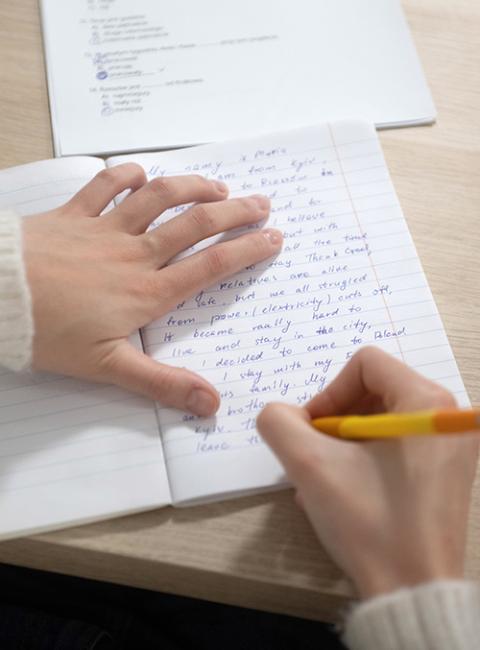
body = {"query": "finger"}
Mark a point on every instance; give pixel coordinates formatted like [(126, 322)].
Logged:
[(205, 220), (373, 373), (174, 387), (92, 199), (298, 446), (199, 271), (138, 210)]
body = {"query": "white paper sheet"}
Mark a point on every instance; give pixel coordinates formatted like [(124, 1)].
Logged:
[(147, 75)]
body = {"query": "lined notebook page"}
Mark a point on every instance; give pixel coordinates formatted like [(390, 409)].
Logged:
[(70, 451), (348, 276)]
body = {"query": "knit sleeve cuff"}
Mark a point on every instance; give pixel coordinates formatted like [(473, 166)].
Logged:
[(16, 320), (441, 615)]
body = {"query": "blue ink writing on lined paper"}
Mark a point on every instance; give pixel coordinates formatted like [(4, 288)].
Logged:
[(348, 276)]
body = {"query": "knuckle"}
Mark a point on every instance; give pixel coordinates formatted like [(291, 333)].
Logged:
[(161, 186), (108, 366), (134, 171), (201, 181), (203, 186), (110, 177), (202, 219), (216, 261), (146, 247)]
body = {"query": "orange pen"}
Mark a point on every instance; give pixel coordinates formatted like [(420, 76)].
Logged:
[(394, 425)]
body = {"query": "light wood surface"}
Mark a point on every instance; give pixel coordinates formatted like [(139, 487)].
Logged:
[(259, 552)]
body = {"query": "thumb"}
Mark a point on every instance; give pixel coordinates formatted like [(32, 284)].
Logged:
[(301, 449), (174, 387)]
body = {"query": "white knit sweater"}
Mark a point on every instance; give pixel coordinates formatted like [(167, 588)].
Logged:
[(16, 322), (436, 616)]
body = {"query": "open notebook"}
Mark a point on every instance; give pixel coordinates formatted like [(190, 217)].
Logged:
[(130, 76), (348, 275)]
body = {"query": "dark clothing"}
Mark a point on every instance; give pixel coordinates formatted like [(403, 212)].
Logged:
[(44, 611)]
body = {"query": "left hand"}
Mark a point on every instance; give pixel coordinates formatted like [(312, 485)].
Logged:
[(96, 279)]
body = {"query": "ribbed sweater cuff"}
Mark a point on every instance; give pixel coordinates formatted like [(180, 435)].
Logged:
[(16, 321), (441, 615)]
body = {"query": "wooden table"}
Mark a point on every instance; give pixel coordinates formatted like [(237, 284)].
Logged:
[(260, 552)]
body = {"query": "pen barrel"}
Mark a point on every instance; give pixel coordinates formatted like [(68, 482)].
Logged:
[(387, 425), (395, 425)]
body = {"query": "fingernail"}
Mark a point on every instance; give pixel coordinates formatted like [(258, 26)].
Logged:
[(221, 187), (201, 402), (275, 237), (262, 201)]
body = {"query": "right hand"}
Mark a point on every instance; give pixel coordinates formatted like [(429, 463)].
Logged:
[(96, 279), (391, 513)]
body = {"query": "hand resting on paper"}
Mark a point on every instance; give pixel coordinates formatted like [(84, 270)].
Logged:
[(391, 513), (96, 279)]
